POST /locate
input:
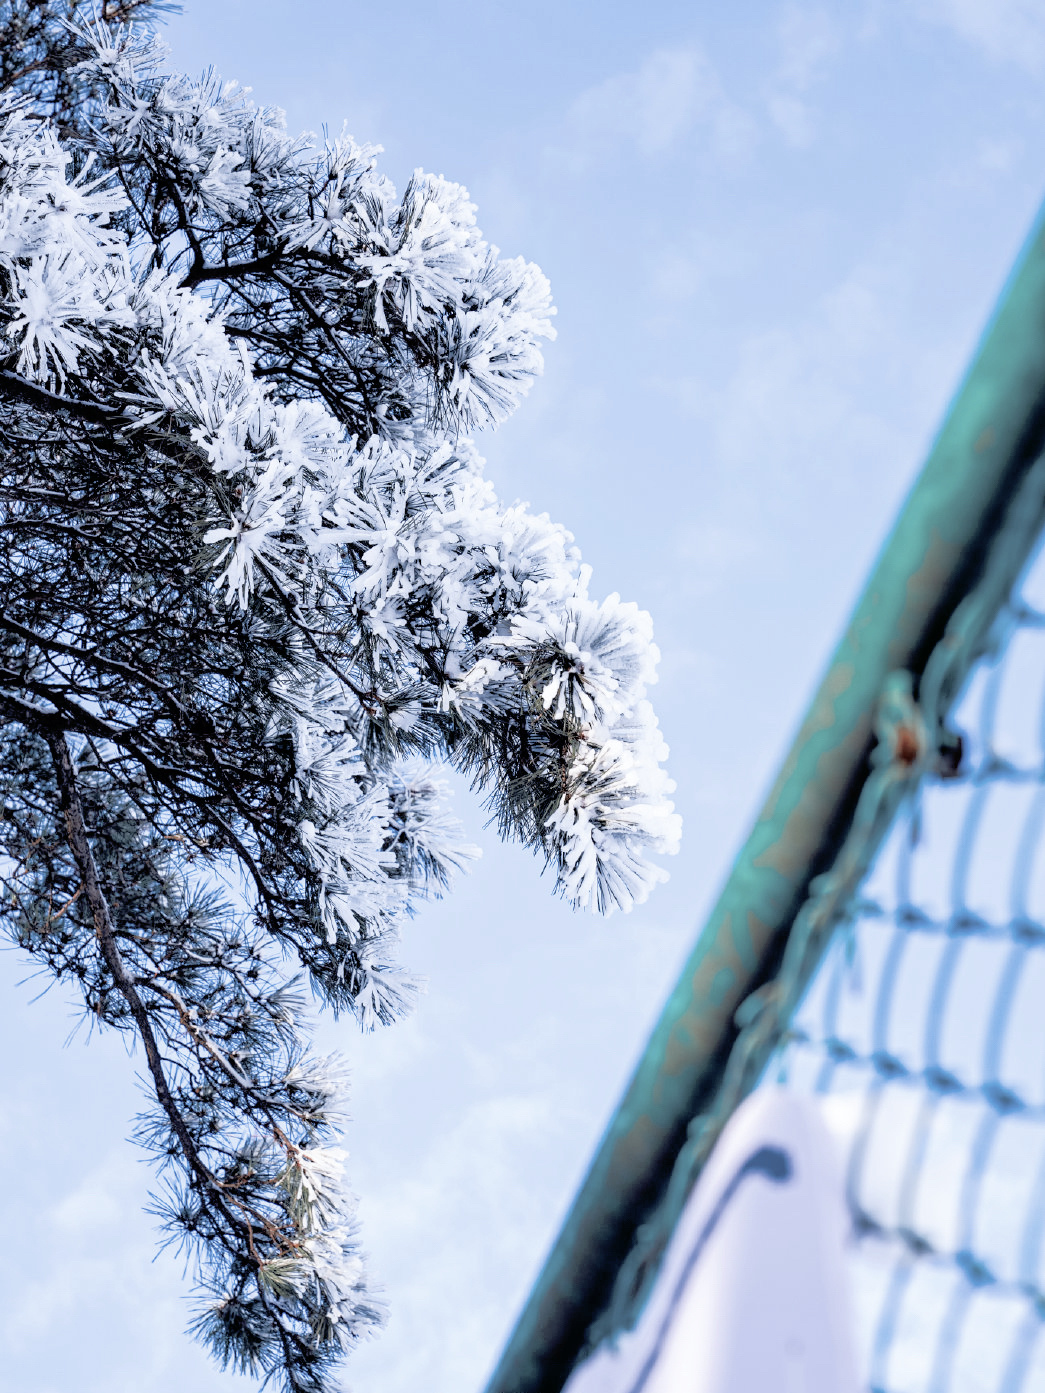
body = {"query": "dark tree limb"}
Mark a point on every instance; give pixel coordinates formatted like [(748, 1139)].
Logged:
[(76, 835), (17, 388)]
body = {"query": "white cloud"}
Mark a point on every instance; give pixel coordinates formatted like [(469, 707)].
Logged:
[(457, 1240), (94, 1204), (808, 39), (1010, 31), (835, 397), (85, 1304), (997, 156), (711, 554), (806, 391), (792, 118), (653, 109)]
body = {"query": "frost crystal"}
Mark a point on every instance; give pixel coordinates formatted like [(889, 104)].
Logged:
[(255, 589)]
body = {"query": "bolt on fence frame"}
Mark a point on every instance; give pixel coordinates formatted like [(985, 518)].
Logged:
[(964, 534)]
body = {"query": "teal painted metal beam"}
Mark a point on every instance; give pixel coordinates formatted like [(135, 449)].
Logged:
[(992, 434)]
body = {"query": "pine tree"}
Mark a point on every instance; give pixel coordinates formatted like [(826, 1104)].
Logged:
[(255, 588)]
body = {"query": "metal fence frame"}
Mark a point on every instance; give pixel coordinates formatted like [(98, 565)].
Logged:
[(962, 537)]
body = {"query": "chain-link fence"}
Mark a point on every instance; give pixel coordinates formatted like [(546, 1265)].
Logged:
[(924, 1031)]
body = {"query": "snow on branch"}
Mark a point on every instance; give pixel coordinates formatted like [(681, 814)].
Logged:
[(256, 587)]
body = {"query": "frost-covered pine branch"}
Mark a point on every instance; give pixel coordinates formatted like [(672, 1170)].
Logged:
[(254, 587)]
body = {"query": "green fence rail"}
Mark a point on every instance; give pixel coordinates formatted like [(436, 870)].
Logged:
[(962, 537)]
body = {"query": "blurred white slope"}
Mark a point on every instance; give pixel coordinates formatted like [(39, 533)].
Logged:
[(753, 1294)]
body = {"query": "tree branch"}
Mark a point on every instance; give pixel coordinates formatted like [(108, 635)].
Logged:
[(21, 389), (76, 836), (231, 269)]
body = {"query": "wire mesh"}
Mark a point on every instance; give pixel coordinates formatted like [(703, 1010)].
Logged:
[(924, 1032)]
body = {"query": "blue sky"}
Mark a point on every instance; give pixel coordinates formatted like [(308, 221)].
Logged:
[(773, 232)]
